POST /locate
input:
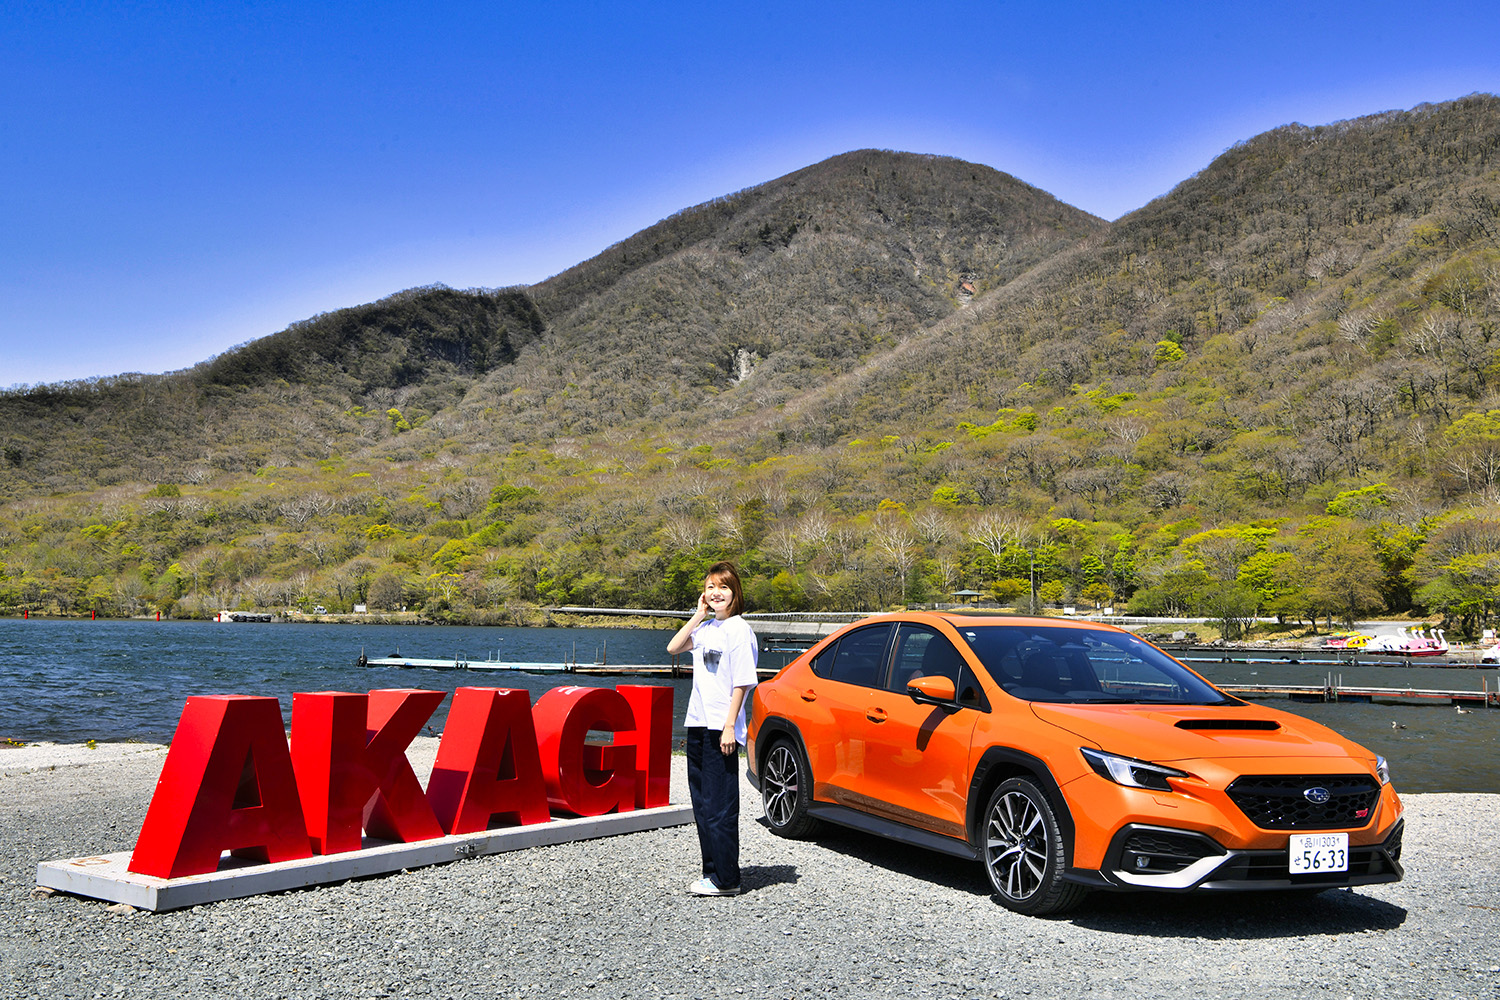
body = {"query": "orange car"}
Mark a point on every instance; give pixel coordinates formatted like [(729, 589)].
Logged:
[(1065, 756)]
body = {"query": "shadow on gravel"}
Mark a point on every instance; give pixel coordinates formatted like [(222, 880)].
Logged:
[(1235, 916), (754, 877), (927, 866)]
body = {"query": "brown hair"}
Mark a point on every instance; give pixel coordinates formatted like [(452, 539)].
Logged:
[(726, 575)]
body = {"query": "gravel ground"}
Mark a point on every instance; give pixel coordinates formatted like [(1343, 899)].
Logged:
[(845, 916)]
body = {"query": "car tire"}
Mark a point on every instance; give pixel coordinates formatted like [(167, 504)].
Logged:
[(1022, 848), (786, 791)]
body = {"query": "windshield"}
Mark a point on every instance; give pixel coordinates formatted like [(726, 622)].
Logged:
[(1076, 665)]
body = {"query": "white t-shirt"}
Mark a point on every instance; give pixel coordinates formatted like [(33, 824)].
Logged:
[(724, 658)]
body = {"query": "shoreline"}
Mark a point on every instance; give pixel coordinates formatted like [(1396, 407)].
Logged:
[(541, 618), (29, 758)]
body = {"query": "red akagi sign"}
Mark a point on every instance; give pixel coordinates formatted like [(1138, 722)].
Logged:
[(231, 781)]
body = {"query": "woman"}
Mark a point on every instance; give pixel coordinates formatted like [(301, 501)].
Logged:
[(724, 659)]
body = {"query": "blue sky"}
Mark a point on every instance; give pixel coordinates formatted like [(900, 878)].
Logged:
[(177, 178)]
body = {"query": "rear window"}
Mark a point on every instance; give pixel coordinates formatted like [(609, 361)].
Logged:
[(1085, 665), (859, 657)]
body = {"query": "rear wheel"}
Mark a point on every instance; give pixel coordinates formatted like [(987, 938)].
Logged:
[(786, 791), (1023, 851)]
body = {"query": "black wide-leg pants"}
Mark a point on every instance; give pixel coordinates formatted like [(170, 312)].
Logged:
[(714, 785)]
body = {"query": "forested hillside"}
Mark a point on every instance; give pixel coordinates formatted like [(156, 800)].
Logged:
[(875, 381), (324, 386)]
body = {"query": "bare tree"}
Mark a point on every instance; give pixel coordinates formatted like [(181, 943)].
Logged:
[(894, 540), (1167, 489), (683, 532), (299, 510), (933, 525), (995, 531), (782, 543), (815, 529)]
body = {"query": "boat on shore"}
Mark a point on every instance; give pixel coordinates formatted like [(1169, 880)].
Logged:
[(244, 616), (1410, 642)]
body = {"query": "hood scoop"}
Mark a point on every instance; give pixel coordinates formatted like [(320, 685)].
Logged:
[(1260, 725)]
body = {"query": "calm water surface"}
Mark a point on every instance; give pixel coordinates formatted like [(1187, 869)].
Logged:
[(69, 681)]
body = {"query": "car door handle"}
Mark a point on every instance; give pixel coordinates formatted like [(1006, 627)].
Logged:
[(809, 695), (875, 714)]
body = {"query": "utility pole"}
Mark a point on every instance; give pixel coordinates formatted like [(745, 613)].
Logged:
[(1032, 554)]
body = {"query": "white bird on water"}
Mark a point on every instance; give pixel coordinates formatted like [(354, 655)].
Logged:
[(1461, 710), (1397, 725)]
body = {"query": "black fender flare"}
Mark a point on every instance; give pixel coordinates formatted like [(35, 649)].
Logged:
[(998, 763), (772, 729)]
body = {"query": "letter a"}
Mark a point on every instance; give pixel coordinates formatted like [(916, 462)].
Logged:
[(487, 763), (227, 784)]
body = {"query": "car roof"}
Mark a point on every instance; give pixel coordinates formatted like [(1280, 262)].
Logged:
[(983, 619)]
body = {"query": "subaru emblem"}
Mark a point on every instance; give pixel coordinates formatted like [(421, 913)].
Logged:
[(1317, 796)]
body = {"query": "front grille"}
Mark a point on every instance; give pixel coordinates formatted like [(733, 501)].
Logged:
[(1280, 802)]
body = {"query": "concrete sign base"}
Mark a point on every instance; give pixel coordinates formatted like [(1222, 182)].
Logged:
[(104, 876)]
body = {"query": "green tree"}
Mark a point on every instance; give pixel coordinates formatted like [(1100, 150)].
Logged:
[(387, 592)]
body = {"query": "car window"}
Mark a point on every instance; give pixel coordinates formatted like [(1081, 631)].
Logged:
[(1037, 663), (860, 658), (922, 651), (822, 664)]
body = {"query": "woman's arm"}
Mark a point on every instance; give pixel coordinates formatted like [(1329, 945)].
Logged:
[(683, 640), (727, 741)]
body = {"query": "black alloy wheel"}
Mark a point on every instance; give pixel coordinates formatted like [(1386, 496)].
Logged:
[(786, 791)]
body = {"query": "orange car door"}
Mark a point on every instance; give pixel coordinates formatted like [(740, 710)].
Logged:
[(916, 754), (838, 762)]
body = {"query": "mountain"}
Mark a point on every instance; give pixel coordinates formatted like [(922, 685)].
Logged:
[(783, 285), (797, 279), (1318, 300), (882, 378)]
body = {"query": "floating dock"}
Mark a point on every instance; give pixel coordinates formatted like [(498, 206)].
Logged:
[(463, 663), (1453, 659), (671, 670), (1333, 689)]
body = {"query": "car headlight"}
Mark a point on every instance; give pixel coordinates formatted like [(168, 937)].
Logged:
[(1382, 770), (1131, 772)]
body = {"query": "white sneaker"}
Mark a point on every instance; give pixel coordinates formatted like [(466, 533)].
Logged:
[(705, 887)]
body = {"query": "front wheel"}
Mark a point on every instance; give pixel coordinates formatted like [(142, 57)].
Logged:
[(1023, 851), (786, 791)]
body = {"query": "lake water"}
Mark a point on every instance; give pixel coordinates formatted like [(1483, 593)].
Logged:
[(70, 681)]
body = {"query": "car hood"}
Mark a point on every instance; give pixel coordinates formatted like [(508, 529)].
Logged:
[(1164, 733)]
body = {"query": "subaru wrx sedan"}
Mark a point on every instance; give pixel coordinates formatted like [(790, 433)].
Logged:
[(1064, 756)]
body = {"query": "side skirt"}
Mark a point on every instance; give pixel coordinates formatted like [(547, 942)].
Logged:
[(891, 830)]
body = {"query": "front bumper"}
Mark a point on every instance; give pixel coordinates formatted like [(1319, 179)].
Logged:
[(1155, 857)]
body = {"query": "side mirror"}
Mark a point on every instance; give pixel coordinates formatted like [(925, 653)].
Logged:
[(935, 690)]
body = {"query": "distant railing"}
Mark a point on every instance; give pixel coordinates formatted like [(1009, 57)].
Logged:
[(792, 616)]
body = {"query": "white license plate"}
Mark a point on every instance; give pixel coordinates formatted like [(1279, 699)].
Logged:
[(1312, 853)]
